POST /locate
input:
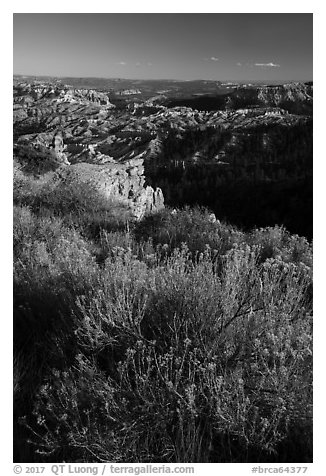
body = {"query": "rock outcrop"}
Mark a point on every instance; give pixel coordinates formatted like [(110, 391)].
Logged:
[(58, 147), (50, 142), (120, 182)]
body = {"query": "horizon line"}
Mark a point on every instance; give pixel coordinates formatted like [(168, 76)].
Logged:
[(160, 79)]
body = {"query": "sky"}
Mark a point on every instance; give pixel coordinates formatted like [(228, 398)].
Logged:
[(211, 46)]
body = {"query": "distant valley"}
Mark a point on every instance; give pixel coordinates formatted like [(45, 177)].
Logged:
[(243, 150)]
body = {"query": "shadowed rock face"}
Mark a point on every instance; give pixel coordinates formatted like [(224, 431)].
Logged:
[(123, 183)]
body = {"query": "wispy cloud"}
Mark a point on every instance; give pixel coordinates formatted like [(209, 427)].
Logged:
[(122, 63), (149, 64), (267, 65), (259, 65), (212, 58), (138, 63)]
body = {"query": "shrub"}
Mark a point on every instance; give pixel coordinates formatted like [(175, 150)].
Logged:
[(184, 364), (277, 242), (53, 265), (176, 339), (80, 205), (35, 160), (192, 226)]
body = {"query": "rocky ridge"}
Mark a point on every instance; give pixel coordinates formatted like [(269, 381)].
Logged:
[(275, 95), (116, 144), (59, 117)]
